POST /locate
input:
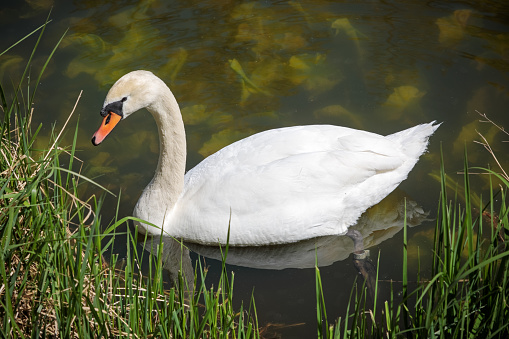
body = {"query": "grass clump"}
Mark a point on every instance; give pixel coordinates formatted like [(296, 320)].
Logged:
[(467, 295), (55, 281)]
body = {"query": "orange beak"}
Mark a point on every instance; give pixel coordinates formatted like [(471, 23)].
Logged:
[(109, 122)]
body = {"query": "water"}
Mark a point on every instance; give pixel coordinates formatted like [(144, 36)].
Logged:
[(377, 66)]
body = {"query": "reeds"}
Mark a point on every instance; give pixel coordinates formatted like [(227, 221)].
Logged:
[(55, 281)]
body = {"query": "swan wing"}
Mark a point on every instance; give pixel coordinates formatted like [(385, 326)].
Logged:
[(286, 185)]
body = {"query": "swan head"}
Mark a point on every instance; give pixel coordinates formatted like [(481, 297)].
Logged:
[(132, 92)]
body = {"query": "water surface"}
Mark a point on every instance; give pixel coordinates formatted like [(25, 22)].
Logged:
[(238, 68)]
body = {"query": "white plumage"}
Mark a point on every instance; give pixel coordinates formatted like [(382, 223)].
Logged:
[(278, 186)]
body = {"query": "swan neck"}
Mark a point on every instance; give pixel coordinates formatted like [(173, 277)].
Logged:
[(168, 180)]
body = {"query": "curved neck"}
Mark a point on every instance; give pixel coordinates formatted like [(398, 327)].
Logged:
[(168, 181)]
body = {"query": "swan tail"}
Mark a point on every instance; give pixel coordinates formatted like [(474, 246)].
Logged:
[(414, 140)]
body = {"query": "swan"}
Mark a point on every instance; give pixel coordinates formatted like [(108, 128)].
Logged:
[(275, 187)]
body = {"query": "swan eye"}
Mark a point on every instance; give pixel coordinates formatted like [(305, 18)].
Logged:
[(124, 99)]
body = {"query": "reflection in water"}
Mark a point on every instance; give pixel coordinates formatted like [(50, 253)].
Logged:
[(175, 258), (377, 224)]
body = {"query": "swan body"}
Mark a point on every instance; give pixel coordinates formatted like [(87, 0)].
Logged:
[(378, 224), (278, 186)]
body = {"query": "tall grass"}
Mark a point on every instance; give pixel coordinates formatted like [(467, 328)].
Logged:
[(55, 279), (467, 295)]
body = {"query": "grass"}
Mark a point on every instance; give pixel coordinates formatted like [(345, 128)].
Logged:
[(56, 281), (467, 295)]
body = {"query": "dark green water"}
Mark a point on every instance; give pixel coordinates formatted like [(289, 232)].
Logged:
[(380, 66)]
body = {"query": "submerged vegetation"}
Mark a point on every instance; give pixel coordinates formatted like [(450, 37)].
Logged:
[(56, 280)]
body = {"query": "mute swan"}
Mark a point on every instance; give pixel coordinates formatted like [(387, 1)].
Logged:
[(278, 186)]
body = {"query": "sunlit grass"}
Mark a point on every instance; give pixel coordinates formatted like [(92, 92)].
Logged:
[(466, 295), (55, 278)]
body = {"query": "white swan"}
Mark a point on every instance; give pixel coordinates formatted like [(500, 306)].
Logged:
[(279, 186)]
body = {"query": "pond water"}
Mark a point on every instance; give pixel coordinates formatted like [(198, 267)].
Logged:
[(238, 68)]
